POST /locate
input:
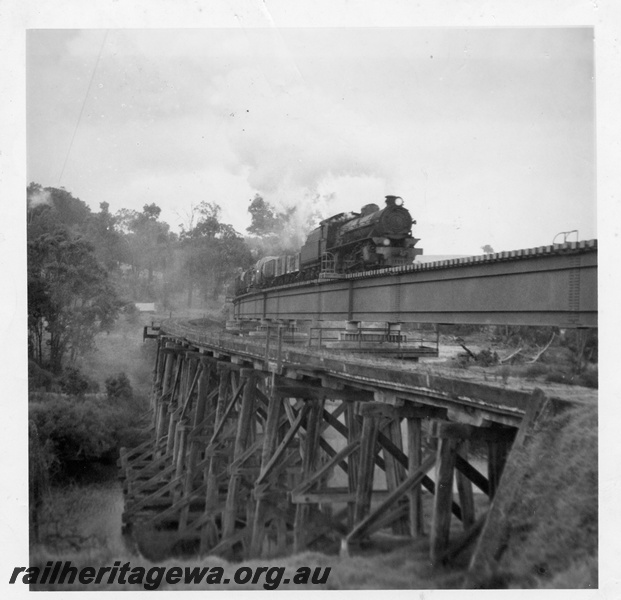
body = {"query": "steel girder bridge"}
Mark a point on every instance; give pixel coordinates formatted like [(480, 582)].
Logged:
[(546, 286)]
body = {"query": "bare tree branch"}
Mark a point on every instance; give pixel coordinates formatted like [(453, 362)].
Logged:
[(507, 358), (538, 355)]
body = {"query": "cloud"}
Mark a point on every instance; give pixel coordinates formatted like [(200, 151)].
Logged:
[(488, 128), (39, 197)]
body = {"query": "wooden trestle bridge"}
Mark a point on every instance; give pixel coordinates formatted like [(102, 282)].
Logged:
[(257, 453)]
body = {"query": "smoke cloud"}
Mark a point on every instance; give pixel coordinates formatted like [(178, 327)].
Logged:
[(39, 197)]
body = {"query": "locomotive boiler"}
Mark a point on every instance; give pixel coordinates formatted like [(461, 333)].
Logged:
[(351, 242), (344, 243)]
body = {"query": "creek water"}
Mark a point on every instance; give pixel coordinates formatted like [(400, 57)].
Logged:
[(87, 508)]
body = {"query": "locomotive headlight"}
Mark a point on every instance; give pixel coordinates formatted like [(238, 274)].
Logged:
[(386, 242), (399, 201)]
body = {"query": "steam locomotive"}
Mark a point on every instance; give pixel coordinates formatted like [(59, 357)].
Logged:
[(344, 243)]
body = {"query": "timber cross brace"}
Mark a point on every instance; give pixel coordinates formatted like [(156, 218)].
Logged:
[(242, 462)]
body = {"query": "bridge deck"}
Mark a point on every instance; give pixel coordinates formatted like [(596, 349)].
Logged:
[(495, 401)]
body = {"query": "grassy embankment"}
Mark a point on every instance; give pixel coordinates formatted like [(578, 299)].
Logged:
[(550, 536)]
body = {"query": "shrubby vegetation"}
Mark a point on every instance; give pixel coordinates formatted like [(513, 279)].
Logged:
[(70, 298), (551, 529), (90, 427), (66, 429), (126, 257), (69, 381), (119, 387), (545, 354)]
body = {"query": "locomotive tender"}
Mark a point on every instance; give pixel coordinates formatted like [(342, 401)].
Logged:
[(344, 243)]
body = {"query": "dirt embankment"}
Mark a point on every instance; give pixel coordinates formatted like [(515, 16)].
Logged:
[(547, 534)]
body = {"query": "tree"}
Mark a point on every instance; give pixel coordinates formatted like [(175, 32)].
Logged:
[(49, 208), (70, 297), (213, 251), (39, 306), (265, 219), (487, 249), (107, 241), (146, 245), (275, 233)]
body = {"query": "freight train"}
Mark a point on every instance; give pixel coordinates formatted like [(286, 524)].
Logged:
[(344, 243)]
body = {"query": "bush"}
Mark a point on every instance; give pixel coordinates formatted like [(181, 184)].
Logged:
[(119, 387), (535, 370), (84, 429), (583, 344), (39, 378), (486, 358), (460, 329), (73, 382), (520, 335), (589, 378), (41, 460), (557, 376), (77, 430), (586, 378), (132, 314)]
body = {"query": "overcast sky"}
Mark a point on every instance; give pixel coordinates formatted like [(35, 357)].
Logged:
[(487, 134)]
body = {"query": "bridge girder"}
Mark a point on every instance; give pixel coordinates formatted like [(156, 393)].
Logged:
[(555, 288)]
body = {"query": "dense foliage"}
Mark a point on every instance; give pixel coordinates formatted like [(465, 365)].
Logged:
[(273, 233), (212, 252), (89, 427), (265, 219), (70, 297), (84, 267), (119, 387)]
